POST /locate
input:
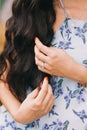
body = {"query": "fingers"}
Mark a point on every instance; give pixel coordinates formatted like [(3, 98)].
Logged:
[(49, 96), (49, 106), (44, 49), (43, 92), (43, 102), (34, 93), (40, 55), (39, 64), (41, 58), (48, 101), (45, 70), (45, 98)]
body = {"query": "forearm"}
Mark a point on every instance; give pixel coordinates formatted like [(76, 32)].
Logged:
[(78, 73), (19, 111), (24, 112), (8, 99), (14, 107)]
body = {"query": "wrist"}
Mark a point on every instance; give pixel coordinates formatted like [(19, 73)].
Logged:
[(78, 73), (83, 73)]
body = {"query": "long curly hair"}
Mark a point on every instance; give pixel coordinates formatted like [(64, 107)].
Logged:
[(29, 18)]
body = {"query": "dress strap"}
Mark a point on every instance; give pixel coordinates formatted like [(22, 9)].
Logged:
[(63, 7)]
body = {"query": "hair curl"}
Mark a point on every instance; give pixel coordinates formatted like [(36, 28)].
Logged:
[(29, 18)]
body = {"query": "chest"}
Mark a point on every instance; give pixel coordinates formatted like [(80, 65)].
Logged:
[(72, 37)]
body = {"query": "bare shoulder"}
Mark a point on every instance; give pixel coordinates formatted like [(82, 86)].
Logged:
[(60, 17)]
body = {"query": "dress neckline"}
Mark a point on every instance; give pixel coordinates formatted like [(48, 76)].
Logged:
[(72, 20)]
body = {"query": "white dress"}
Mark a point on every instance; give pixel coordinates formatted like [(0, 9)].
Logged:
[(70, 109)]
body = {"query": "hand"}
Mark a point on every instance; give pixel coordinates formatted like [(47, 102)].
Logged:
[(37, 104), (53, 60)]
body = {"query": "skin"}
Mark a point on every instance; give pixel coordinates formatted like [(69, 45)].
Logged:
[(73, 7), (41, 103), (57, 61), (36, 104)]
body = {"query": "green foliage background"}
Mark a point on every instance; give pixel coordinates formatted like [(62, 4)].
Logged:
[(1, 3)]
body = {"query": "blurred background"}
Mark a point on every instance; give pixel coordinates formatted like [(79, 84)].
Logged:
[(5, 13)]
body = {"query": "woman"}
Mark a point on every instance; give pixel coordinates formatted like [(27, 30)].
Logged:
[(45, 38)]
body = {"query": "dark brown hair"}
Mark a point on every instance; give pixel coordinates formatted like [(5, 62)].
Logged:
[(30, 18)]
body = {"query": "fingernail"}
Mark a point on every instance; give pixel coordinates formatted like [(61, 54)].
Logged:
[(46, 78)]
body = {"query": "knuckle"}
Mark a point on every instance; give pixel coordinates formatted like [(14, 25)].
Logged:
[(37, 62), (37, 54), (53, 55), (50, 91), (39, 68), (50, 94), (45, 90), (41, 47), (37, 104)]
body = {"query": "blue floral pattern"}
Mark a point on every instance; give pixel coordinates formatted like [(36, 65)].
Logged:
[(56, 125), (70, 107), (77, 94), (81, 114)]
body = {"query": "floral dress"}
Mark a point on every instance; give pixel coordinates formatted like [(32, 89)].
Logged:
[(70, 108)]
